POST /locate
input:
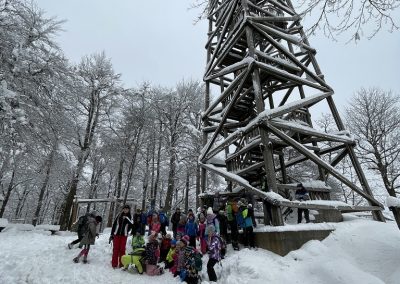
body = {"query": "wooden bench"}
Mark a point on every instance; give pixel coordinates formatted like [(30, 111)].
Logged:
[(52, 228)]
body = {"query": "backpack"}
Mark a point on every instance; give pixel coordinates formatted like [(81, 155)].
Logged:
[(193, 259), (240, 219), (223, 246), (163, 218), (80, 226)]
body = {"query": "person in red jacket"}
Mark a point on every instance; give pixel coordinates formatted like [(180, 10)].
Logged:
[(119, 234)]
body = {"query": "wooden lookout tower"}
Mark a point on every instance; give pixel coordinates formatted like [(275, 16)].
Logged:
[(264, 72)]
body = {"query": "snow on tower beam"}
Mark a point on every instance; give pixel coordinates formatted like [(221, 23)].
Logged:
[(322, 163), (269, 34)]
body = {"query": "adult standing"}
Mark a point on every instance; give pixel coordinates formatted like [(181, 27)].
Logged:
[(119, 234), (162, 217), (302, 195), (245, 221), (176, 217), (137, 222), (231, 211)]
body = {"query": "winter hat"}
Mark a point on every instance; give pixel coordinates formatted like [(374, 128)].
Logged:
[(210, 229), (173, 243), (186, 238), (168, 236), (250, 205), (126, 206), (209, 211), (99, 219), (153, 235), (300, 185)]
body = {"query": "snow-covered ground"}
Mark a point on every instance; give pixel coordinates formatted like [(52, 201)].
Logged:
[(358, 251)]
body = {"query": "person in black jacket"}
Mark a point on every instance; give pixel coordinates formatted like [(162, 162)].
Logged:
[(302, 195), (119, 234), (175, 220), (137, 222)]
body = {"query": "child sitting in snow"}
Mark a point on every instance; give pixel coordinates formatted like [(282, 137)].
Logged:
[(169, 260), (137, 254), (152, 256), (89, 236), (179, 257), (165, 246)]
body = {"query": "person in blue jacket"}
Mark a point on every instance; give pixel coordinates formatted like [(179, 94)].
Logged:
[(245, 221), (191, 229)]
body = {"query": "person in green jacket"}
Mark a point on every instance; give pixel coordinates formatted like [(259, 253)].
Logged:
[(137, 253)]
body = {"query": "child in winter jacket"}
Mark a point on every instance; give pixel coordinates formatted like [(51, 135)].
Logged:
[(155, 225), (179, 260), (211, 219), (181, 225), (89, 236), (202, 235), (152, 256), (169, 260), (137, 254), (214, 251), (191, 230), (165, 246)]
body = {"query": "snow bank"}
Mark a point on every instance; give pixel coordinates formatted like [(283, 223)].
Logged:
[(357, 251), (48, 227), (3, 222), (20, 227), (393, 202)]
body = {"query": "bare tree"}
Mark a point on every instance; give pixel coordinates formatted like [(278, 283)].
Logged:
[(335, 17), (338, 16), (374, 118), (99, 84)]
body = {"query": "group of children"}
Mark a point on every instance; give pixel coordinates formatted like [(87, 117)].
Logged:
[(178, 254)]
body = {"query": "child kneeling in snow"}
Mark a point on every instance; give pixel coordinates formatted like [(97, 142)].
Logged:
[(152, 255), (137, 254), (89, 237), (169, 260)]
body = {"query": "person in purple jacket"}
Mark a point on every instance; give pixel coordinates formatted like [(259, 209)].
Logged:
[(214, 252)]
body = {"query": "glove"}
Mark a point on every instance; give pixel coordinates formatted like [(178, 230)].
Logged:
[(110, 239)]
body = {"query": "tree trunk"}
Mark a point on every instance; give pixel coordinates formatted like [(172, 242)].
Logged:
[(198, 175), (187, 192), (171, 182), (396, 214), (157, 180), (8, 194), (65, 219), (49, 164)]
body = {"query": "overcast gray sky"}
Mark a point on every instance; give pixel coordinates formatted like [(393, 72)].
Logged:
[(156, 41)]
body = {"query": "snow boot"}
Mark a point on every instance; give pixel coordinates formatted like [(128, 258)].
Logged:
[(70, 246), (76, 259), (85, 259)]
